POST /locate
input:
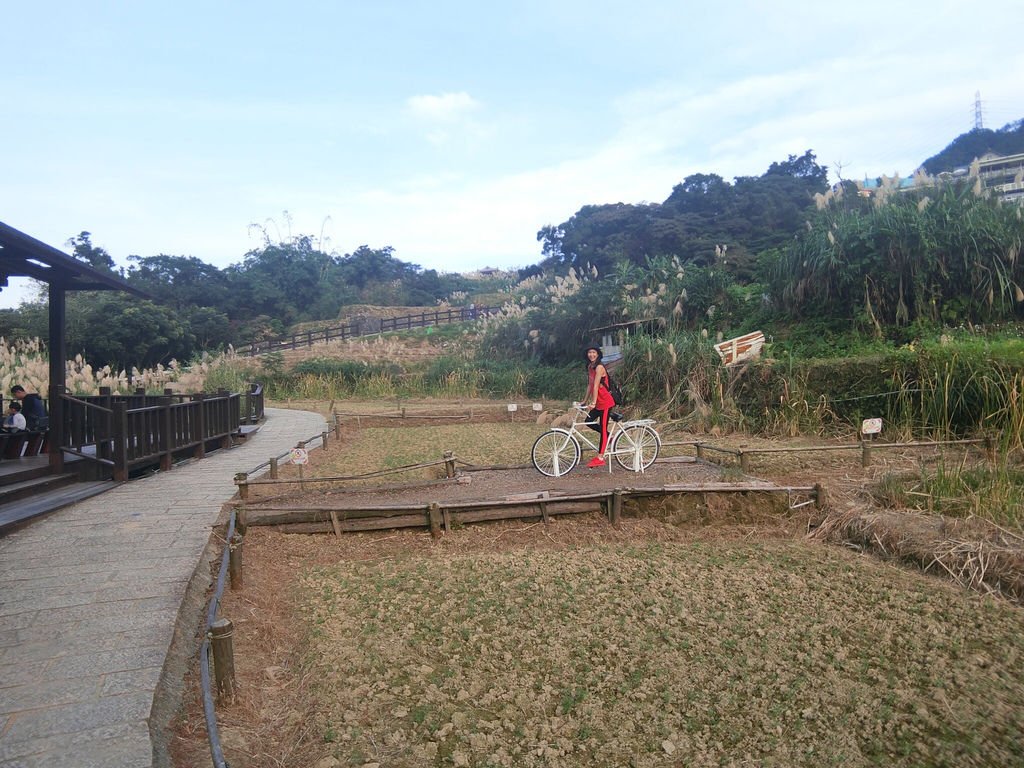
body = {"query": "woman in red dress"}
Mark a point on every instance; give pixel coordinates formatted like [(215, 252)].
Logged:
[(599, 400)]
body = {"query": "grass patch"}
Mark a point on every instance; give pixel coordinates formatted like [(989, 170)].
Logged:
[(374, 449), (993, 493), (659, 654)]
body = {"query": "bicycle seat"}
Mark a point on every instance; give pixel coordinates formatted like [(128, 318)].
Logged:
[(615, 415)]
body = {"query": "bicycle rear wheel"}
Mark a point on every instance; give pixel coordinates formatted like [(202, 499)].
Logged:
[(636, 447), (555, 453)]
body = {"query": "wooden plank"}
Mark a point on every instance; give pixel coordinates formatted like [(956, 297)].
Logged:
[(257, 516), (526, 510), (373, 524)]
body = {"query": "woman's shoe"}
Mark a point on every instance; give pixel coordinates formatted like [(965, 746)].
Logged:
[(597, 461)]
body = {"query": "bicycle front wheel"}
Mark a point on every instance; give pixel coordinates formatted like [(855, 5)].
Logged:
[(636, 447), (555, 453)]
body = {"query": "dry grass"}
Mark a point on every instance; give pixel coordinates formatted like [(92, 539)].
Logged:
[(707, 638), (575, 645)]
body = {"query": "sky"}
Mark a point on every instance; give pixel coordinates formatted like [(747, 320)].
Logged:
[(453, 131)]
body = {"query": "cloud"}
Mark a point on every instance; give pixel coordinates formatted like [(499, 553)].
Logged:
[(446, 108)]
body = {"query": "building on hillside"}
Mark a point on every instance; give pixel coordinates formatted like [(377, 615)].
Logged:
[(1001, 175), (1004, 175)]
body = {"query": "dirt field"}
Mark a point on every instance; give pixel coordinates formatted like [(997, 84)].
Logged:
[(703, 632)]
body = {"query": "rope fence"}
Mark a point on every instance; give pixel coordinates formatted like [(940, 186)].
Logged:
[(216, 751), (216, 648)]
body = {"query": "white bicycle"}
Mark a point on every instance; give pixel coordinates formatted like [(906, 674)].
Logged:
[(634, 444)]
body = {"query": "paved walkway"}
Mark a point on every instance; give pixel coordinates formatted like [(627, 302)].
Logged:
[(89, 600)]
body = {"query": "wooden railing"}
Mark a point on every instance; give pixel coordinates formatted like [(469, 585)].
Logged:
[(368, 327), (119, 433)]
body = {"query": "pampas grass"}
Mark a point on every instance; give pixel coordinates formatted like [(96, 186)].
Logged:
[(27, 363)]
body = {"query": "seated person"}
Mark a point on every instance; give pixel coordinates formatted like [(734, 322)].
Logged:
[(32, 407), (14, 421)]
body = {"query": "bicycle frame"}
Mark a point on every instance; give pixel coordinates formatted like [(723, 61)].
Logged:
[(633, 444)]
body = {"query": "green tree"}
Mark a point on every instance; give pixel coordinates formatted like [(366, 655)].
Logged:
[(180, 281), (94, 256)]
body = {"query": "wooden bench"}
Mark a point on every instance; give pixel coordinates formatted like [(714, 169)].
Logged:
[(14, 445)]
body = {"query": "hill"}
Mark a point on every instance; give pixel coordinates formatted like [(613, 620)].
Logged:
[(962, 151)]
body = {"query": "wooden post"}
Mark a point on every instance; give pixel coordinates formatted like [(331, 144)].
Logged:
[(273, 468), (449, 464), (820, 496), (166, 436), (700, 450), (865, 453), (242, 481), (235, 562), (240, 523), (434, 514), (221, 632), (200, 449), (337, 426), (334, 523), (544, 512), (120, 437), (323, 439), (744, 461), (223, 425), (616, 509)]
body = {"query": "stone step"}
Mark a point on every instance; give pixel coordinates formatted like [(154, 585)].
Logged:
[(46, 498)]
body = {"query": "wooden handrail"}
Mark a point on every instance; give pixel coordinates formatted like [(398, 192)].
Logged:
[(155, 430), (351, 330)]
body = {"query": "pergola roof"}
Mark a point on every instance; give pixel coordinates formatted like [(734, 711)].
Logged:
[(23, 256)]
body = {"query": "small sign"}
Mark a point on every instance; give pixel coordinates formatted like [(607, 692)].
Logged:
[(512, 407), (299, 456), (871, 426), (538, 406)]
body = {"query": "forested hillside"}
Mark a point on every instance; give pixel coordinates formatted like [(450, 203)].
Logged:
[(1008, 140), (780, 251)]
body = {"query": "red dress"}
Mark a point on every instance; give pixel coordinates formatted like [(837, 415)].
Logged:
[(605, 401)]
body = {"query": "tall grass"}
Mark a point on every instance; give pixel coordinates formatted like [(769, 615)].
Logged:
[(679, 376), (941, 390), (446, 377), (958, 393), (27, 363), (994, 492)]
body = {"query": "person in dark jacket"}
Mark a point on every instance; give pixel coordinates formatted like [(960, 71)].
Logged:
[(32, 407)]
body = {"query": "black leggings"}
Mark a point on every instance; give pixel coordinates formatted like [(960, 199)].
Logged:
[(601, 427)]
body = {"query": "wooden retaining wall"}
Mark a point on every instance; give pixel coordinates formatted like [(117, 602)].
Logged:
[(437, 516)]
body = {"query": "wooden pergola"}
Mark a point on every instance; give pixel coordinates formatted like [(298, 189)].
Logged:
[(23, 256)]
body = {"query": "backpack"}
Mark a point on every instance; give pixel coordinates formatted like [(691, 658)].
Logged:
[(615, 390)]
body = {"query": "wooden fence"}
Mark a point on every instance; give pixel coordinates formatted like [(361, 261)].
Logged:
[(368, 327), (118, 433)]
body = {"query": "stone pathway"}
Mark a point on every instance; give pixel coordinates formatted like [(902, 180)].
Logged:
[(91, 596)]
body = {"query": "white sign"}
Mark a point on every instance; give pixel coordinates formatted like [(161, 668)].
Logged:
[(512, 407), (299, 456), (871, 426), (538, 406)]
